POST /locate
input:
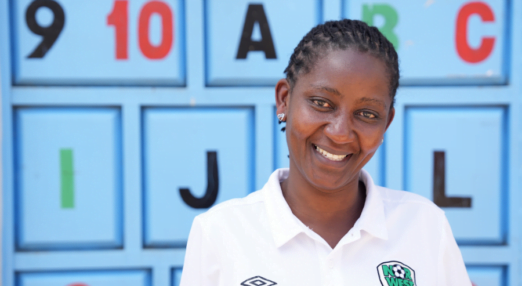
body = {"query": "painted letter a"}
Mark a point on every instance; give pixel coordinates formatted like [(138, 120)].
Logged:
[(256, 13)]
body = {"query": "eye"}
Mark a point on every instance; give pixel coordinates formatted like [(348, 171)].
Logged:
[(321, 103), (367, 114)]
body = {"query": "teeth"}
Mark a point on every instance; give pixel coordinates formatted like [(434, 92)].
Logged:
[(330, 155)]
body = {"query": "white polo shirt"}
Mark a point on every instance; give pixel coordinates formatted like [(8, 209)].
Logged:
[(400, 239)]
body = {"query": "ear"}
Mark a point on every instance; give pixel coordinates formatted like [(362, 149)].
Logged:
[(282, 94), (391, 115)]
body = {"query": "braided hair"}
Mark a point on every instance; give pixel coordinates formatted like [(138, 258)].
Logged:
[(342, 35)]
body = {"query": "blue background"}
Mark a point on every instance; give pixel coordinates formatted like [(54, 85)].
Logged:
[(139, 130)]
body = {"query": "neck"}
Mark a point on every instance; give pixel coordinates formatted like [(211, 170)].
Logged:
[(330, 213)]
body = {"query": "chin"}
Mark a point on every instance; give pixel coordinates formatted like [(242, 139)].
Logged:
[(329, 181)]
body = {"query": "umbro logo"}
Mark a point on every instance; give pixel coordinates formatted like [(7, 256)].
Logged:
[(258, 281)]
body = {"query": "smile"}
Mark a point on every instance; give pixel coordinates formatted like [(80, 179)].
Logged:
[(329, 155)]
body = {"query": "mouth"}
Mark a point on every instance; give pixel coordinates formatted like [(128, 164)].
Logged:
[(330, 156)]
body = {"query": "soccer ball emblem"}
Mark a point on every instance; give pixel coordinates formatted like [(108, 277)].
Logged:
[(398, 271)]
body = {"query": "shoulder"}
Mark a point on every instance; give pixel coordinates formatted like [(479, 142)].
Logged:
[(395, 200), (250, 212), (401, 202), (412, 216), (249, 208), (234, 208)]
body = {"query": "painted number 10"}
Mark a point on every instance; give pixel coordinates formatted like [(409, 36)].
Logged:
[(120, 20)]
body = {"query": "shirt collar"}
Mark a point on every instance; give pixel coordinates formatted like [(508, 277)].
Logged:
[(282, 220), (373, 218), (286, 226)]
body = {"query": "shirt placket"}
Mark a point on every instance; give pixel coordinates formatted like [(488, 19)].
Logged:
[(334, 270), (331, 266), (323, 252)]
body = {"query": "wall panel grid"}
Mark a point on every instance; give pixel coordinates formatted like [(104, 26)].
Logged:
[(122, 120)]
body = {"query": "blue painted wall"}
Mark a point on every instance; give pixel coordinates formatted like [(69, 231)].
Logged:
[(109, 108)]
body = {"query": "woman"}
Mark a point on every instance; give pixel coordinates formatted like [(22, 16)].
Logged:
[(323, 221)]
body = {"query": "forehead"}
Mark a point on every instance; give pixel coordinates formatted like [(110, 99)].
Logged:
[(347, 72), (351, 61)]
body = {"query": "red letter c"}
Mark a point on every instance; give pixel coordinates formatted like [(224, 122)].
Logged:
[(466, 52)]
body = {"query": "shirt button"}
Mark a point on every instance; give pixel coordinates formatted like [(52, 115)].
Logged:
[(330, 264)]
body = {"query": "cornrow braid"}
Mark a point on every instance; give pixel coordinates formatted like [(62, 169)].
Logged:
[(342, 35)]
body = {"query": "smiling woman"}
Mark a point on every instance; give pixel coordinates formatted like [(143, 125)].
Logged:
[(323, 221), (336, 118)]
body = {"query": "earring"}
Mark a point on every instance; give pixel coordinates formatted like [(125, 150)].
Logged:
[(382, 140), (281, 117)]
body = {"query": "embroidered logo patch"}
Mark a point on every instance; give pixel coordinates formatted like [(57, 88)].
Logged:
[(395, 273), (258, 281)]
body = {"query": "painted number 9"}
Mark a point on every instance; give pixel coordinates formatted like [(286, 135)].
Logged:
[(119, 19), (49, 34)]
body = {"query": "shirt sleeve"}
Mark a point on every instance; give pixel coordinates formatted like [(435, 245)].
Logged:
[(201, 266), (451, 268)]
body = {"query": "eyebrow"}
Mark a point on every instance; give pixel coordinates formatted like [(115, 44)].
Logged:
[(328, 89), (378, 101), (363, 99)]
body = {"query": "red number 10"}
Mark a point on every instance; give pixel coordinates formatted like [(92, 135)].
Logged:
[(119, 19)]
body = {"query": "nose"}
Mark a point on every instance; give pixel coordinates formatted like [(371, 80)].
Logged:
[(340, 130)]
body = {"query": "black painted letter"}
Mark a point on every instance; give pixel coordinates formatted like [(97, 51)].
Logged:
[(439, 185), (212, 186), (256, 13)]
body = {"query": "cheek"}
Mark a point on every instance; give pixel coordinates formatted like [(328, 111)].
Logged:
[(370, 137), (302, 124)]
